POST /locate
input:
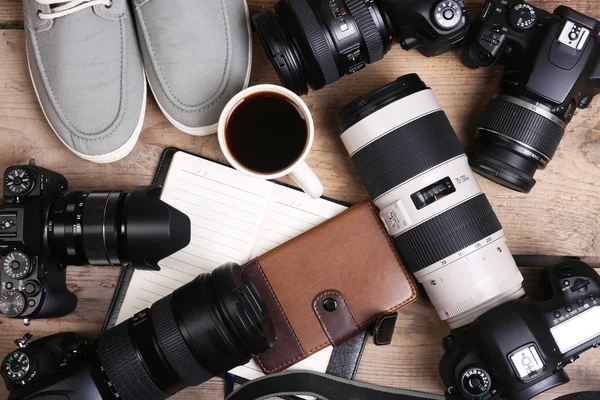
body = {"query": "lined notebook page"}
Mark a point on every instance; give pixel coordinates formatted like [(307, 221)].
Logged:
[(234, 218)]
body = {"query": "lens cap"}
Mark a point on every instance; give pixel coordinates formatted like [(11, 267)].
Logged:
[(283, 56), (364, 106), (151, 229)]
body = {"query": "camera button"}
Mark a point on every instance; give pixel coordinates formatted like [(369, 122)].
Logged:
[(557, 314), (8, 285), (568, 308), (592, 297), (566, 282), (31, 303), (580, 302)]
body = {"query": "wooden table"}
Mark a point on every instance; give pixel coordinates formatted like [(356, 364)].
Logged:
[(559, 217)]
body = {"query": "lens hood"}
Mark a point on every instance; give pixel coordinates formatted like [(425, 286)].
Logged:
[(151, 229)]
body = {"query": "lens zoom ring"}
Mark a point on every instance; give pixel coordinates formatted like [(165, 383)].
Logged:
[(523, 125), (173, 345), (316, 39), (406, 152), (448, 233), (368, 29), (123, 367)]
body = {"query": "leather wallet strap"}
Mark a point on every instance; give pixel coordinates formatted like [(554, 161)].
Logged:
[(328, 387)]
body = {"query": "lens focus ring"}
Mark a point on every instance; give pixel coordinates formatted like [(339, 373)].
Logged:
[(448, 233), (123, 366), (409, 150), (523, 125), (368, 29), (316, 39), (173, 345)]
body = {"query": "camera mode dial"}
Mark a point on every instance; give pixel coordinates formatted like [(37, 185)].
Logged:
[(12, 303), (18, 367), (475, 381), (19, 181), (522, 16), (447, 14), (16, 265)]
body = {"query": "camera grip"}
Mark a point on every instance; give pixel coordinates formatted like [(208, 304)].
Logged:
[(58, 301)]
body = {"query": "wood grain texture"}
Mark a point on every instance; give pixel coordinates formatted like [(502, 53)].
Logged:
[(560, 216)]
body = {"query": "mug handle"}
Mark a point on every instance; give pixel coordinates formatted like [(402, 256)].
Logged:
[(305, 177)]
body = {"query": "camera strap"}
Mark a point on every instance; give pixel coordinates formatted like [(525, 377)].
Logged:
[(329, 387)]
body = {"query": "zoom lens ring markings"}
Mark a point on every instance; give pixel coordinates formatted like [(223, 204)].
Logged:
[(123, 366), (448, 233), (316, 39), (523, 125), (367, 28)]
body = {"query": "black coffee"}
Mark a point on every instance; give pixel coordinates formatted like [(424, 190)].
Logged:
[(266, 132)]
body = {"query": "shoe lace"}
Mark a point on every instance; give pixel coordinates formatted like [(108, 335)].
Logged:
[(60, 8)]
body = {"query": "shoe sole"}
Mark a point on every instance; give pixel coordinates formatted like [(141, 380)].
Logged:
[(210, 129), (114, 155)]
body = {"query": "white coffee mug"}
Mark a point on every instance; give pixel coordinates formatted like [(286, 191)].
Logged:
[(299, 171)]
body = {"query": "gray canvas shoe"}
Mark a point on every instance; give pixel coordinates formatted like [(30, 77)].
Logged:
[(197, 56), (87, 71)]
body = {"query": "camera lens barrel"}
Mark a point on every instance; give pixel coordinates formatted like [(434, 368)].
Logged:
[(416, 172), (208, 326), (515, 139), (114, 228), (314, 43)]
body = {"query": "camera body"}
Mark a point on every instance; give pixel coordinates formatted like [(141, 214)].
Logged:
[(54, 364), (313, 43), (562, 48), (31, 284), (43, 229), (432, 27), (552, 68), (519, 349)]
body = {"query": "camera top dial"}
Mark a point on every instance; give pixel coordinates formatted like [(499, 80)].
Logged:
[(19, 181), (18, 367), (447, 14), (522, 16), (16, 265), (12, 303)]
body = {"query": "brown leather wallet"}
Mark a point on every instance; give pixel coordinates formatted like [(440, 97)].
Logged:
[(326, 285)]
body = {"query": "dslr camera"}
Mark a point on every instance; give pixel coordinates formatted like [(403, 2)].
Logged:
[(210, 325), (519, 349), (316, 42), (552, 68), (43, 229)]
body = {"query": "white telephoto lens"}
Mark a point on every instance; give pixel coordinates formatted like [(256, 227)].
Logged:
[(418, 176)]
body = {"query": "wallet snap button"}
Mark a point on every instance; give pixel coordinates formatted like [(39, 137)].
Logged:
[(330, 304)]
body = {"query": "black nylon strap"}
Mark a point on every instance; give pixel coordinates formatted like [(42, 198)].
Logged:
[(323, 387), (328, 387)]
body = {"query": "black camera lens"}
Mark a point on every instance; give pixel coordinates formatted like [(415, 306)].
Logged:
[(515, 139), (314, 43), (205, 328), (114, 228)]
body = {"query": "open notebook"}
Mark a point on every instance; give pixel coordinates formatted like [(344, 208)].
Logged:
[(234, 218)]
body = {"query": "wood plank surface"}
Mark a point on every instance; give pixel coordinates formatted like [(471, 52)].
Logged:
[(559, 217)]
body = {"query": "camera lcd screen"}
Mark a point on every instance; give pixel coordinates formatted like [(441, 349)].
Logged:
[(577, 330), (433, 193)]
